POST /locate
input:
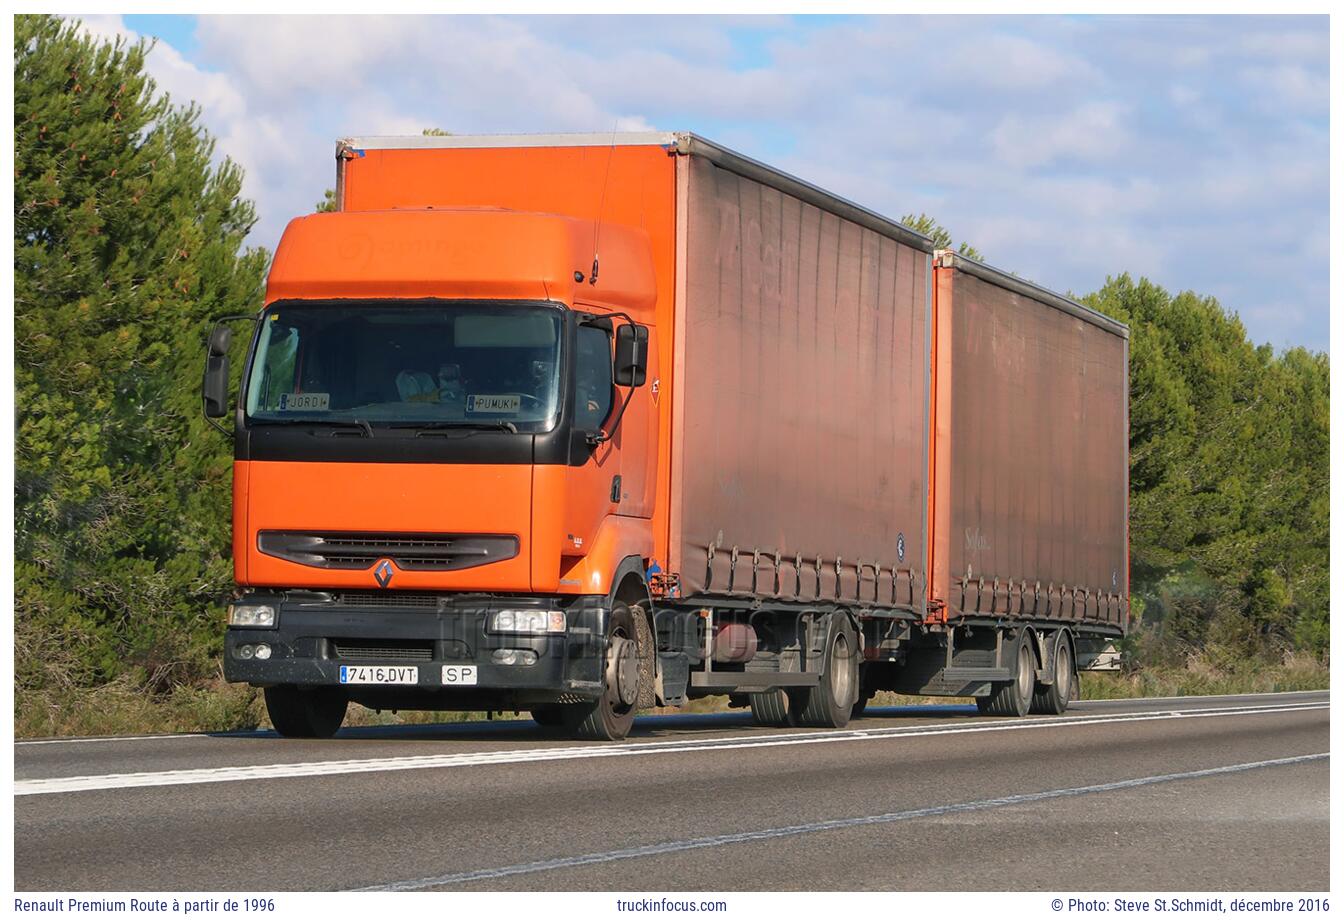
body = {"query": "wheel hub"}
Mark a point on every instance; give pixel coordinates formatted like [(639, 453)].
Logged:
[(1024, 675), (623, 670), (1063, 670), (841, 677)]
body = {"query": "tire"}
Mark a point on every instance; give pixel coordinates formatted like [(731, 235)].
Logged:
[(610, 716), (547, 716), (772, 708), (315, 713), (861, 704), (1053, 699), (829, 704), (1013, 697)]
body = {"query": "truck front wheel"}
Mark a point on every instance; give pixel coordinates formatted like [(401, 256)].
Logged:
[(315, 713), (547, 716), (610, 716)]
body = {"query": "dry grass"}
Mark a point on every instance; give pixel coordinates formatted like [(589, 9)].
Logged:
[(1201, 677), (119, 708)]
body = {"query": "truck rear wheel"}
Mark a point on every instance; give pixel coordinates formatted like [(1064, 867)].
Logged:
[(315, 713), (830, 703), (610, 716), (1013, 697), (1053, 699), (772, 709)]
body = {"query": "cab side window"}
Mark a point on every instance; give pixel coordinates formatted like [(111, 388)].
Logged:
[(593, 382)]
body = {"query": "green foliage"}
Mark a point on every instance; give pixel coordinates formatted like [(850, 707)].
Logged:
[(328, 202), (942, 239), (127, 239), (1229, 477)]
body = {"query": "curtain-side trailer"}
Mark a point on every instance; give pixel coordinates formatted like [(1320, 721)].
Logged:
[(580, 425)]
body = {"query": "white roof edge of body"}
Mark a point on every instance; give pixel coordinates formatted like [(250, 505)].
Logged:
[(596, 139), (682, 142)]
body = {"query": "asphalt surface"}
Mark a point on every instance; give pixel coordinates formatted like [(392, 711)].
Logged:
[(1191, 794)]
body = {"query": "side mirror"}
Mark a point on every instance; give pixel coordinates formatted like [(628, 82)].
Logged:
[(215, 388), (220, 339), (632, 355), (215, 385)]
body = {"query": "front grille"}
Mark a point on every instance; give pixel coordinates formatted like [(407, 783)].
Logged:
[(366, 650), (410, 551), (398, 599)]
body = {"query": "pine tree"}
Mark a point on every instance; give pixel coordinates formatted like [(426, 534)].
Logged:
[(1229, 475), (942, 239), (128, 239)]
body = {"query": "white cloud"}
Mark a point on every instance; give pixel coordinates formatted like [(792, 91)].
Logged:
[(1010, 63), (1288, 85), (1191, 149), (1184, 95), (1092, 132)]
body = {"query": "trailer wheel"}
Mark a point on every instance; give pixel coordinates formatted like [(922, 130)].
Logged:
[(1013, 697), (772, 708), (1054, 698), (315, 713), (860, 705), (610, 716), (830, 703)]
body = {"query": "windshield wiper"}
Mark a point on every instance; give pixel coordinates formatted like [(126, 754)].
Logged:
[(343, 423), (359, 423), (502, 424)]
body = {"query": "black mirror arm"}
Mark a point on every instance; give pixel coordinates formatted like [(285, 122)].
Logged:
[(214, 424), (607, 435), (589, 318)]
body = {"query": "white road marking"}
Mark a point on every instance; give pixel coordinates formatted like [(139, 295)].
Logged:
[(1213, 696), (48, 786), (697, 843)]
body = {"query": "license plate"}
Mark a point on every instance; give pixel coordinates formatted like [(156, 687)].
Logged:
[(459, 675), (506, 403), (379, 674)]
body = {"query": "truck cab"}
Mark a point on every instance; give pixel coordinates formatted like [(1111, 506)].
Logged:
[(443, 468)]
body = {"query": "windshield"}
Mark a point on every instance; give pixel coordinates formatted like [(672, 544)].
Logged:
[(441, 365)]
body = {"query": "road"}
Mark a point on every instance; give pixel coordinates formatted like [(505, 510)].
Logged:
[(1199, 793)]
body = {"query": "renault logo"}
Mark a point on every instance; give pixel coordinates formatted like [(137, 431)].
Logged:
[(382, 573)]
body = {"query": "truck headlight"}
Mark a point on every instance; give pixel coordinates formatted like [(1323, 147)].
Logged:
[(251, 615), (530, 622)]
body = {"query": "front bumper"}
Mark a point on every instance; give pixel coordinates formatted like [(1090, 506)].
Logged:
[(316, 633)]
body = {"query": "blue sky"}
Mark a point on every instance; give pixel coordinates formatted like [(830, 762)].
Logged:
[(1191, 150)]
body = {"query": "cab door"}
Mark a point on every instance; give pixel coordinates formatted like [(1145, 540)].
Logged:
[(637, 440), (593, 489)]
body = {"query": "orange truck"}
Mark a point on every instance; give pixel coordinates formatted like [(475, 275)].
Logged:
[(581, 425)]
